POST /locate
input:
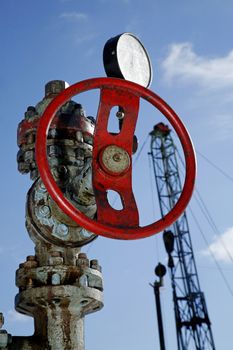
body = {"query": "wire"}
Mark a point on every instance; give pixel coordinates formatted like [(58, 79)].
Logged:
[(210, 220), (229, 177), (140, 151), (212, 254), (207, 215)]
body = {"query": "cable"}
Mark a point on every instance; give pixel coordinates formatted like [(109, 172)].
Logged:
[(140, 151), (211, 253), (214, 227), (229, 177), (207, 215), (212, 223)]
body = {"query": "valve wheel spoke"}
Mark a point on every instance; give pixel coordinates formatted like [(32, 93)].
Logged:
[(112, 159)]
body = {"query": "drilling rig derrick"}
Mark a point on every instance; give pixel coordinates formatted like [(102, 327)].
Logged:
[(193, 325)]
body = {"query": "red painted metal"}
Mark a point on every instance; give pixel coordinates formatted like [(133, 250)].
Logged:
[(102, 180), (123, 224), (63, 124)]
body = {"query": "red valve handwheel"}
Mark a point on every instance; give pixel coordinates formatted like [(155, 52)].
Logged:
[(119, 224)]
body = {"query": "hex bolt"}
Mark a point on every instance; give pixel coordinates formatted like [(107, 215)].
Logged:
[(42, 187), (82, 256), (30, 283), (28, 156), (94, 264), (85, 234), (53, 133), (62, 171), (56, 279), (117, 157), (44, 211), (56, 253), (30, 262), (9, 338), (4, 339), (31, 258), (82, 260), (31, 109), (120, 114), (55, 260), (79, 136), (62, 230), (83, 281), (30, 138), (1, 320)]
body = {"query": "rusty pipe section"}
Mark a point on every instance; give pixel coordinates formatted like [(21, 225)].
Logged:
[(58, 297), (58, 285), (69, 152)]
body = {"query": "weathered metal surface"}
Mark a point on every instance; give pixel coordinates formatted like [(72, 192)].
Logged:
[(45, 220), (1, 320), (114, 160), (58, 285), (118, 181), (58, 297), (69, 150)]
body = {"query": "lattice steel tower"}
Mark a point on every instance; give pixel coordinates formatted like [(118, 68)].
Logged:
[(193, 325)]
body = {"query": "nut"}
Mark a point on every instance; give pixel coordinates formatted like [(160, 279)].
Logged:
[(3, 339), (83, 281), (62, 230), (30, 283), (56, 279), (55, 260), (31, 258), (30, 263), (115, 159), (56, 253), (44, 211), (94, 264), (82, 260), (1, 319)]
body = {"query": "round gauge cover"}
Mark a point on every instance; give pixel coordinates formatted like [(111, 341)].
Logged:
[(125, 57)]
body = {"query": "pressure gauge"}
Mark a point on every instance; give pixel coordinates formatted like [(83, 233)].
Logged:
[(125, 57)]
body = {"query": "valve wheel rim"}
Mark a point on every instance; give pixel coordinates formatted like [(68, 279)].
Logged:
[(57, 195)]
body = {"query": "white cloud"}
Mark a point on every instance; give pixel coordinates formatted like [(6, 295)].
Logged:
[(14, 316), (182, 63), (74, 16), (222, 247)]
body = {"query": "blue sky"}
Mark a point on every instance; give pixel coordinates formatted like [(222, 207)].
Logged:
[(190, 45)]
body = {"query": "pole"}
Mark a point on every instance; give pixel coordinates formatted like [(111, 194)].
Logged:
[(156, 287), (160, 271)]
